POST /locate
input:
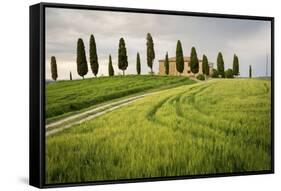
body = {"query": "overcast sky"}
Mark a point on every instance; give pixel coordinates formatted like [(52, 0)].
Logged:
[(249, 39)]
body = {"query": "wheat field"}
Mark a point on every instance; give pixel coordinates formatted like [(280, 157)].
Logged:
[(219, 126)]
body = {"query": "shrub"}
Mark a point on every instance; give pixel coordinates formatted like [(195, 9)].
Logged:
[(151, 73), (200, 77), (229, 73), (215, 74)]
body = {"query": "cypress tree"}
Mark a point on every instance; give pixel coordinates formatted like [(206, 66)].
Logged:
[(220, 65), (194, 63), (166, 64), (235, 65), (150, 51), (205, 65), (82, 67), (122, 56), (54, 70), (250, 71), (70, 76), (110, 67), (93, 56), (179, 58), (138, 64)]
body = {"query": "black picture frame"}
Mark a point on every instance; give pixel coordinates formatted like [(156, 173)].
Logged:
[(37, 92)]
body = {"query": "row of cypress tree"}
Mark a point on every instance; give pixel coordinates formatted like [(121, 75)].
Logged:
[(229, 73), (81, 60), (82, 66), (194, 62), (123, 58), (123, 66)]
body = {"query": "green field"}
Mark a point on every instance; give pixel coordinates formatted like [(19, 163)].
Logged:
[(66, 97), (219, 126)]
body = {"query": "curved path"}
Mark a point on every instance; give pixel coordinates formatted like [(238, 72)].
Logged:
[(68, 122)]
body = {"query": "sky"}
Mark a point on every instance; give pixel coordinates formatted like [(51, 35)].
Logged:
[(248, 39)]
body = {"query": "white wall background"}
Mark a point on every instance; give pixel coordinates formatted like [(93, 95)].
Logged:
[(14, 87)]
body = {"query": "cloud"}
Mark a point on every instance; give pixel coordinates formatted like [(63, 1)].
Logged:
[(247, 38)]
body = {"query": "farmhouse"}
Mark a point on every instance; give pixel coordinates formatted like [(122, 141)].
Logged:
[(186, 72)]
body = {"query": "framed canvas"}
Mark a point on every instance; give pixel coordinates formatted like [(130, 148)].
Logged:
[(122, 95)]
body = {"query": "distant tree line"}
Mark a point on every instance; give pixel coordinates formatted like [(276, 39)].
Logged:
[(82, 66)]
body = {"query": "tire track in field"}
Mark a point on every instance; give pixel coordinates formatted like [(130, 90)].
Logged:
[(174, 101), (190, 101), (151, 114), (186, 97), (222, 126), (168, 100)]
